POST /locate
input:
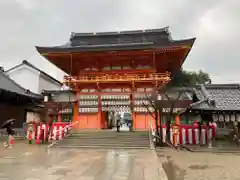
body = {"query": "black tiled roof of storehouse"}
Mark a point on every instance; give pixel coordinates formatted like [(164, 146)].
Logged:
[(224, 97), (123, 40)]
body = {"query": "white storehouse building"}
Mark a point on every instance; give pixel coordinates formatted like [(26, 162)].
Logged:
[(33, 79)]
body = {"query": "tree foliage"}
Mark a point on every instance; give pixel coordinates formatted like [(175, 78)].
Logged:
[(189, 78)]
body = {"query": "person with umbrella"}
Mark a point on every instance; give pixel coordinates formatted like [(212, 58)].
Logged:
[(8, 126)]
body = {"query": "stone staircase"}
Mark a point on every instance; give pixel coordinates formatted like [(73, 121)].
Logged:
[(106, 139)]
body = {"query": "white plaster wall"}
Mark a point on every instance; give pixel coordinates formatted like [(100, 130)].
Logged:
[(33, 116), (46, 83), (26, 77)]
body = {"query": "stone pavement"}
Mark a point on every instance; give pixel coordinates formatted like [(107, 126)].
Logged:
[(38, 163), (184, 165)]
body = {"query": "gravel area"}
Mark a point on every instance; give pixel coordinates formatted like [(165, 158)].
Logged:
[(185, 165)]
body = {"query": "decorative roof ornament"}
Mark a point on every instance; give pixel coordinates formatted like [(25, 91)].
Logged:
[(72, 35), (166, 29)]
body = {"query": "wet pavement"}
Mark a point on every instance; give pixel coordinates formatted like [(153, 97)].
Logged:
[(184, 165), (38, 163)]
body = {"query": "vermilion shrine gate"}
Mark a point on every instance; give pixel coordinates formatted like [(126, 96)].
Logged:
[(115, 71)]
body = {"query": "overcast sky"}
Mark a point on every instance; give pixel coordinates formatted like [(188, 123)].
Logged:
[(215, 24)]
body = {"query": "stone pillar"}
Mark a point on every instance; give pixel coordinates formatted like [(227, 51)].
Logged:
[(209, 137)]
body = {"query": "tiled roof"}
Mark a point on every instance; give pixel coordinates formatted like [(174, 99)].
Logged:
[(218, 97), (123, 40), (121, 37)]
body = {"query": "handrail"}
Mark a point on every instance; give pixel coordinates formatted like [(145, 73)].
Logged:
[(151, 127), (116, 77), (152, 135)]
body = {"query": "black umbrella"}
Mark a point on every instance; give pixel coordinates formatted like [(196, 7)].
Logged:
[(7, 123)]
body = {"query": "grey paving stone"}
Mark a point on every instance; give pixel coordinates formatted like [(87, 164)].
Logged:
[(80, 165)]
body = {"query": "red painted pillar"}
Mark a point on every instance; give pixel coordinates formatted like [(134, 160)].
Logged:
[(75, 121), (133, 112), (101, 116)]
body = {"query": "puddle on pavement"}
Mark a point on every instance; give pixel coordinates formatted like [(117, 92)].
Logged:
[(62, 171), (202, 167), (172, 171), (198, 167)]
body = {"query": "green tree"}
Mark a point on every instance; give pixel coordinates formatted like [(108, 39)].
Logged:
[(189, 78)]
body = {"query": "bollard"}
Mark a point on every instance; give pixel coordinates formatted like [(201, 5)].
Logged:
[(30, 138), (174, 139), (11, 141), (38, 141), (175, 135), (30, 133)]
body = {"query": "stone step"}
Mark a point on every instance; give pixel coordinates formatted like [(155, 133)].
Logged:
[(106, 137), (106, 142), (109, 138), (110, 134), (101, 147), (107, 131)]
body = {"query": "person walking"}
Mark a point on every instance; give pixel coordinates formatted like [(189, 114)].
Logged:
[(10, 133), (118, 122), (8, 125)]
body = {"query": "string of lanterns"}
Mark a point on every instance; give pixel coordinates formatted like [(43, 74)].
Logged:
[(226, 117), (66, 111), (116, 108), (88, 110), (117, 103)]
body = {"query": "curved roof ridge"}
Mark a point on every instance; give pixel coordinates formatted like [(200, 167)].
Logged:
[(172, 44), (223, 86), (122, 44), (204, 91)]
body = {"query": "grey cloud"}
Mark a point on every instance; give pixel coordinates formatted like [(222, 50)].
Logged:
[(26, 23)]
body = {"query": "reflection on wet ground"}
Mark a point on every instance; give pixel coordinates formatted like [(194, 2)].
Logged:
[(184, 165), (87, 164)]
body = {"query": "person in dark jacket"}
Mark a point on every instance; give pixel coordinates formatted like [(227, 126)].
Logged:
[(10, 133), (118, 122)]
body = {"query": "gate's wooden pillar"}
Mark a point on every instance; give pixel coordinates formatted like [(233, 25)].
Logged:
[(100, 115), (76, 112), (132, 107)]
